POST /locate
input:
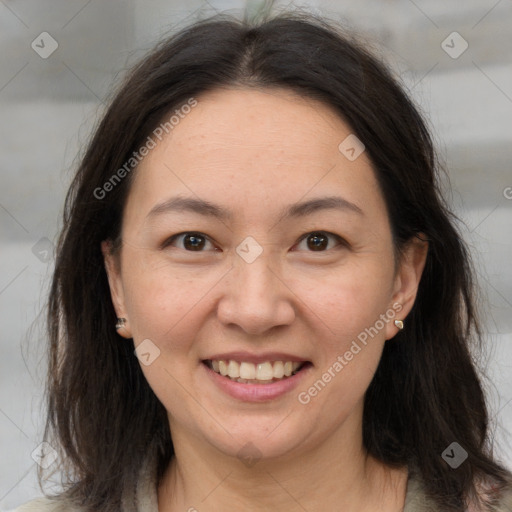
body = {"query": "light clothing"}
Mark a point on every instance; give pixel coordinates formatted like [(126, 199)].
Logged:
[(144, 498)]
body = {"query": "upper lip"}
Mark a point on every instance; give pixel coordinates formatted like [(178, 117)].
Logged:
[(255, 358)]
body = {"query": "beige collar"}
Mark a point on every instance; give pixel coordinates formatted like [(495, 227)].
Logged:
[(145, 497)]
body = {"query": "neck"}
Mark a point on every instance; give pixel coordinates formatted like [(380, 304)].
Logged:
[(336, 474)]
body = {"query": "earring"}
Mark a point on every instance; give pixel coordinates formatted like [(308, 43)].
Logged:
[(121, 322), (399, 324)]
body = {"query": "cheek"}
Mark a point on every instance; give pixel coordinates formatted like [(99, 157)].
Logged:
[(163, 300), (162, 308), (350, 336), (160, 299), (350, 300)]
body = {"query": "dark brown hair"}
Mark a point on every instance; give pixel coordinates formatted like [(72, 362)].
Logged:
[(426, 393)]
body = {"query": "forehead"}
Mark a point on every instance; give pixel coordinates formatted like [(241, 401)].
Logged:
[(266, 145), (278, 120)]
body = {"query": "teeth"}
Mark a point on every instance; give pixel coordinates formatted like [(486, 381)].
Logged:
[(278, 370), (233, 370), (262, 373), (247, 370), (223, 368)]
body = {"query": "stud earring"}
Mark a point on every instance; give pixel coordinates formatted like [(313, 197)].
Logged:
[(399, 324), (121, 322)]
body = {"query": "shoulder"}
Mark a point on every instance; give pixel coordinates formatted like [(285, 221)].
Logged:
[(501, 502), (44, 505), (418, 501), (505, 504)]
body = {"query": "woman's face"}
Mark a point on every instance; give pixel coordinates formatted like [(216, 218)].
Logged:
[(265, 284)]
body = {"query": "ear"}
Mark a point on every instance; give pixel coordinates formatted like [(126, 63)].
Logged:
[(407, 279), (112, 267)]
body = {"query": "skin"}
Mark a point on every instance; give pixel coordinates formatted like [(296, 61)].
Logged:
[(255, 152)]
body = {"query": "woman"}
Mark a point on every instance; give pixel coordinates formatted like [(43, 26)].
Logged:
[(257, 215)]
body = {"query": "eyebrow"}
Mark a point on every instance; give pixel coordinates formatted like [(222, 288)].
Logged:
[(208, 209)]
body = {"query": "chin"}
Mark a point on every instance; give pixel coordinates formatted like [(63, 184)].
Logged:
[(252, 440)]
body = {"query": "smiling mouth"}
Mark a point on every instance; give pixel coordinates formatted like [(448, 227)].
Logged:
[(261, 373)]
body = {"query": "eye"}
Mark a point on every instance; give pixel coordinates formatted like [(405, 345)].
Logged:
[(318, 240), (193, 241)]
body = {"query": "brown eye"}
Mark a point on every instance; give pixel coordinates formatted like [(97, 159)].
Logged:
[(318, 241), (192, 241)]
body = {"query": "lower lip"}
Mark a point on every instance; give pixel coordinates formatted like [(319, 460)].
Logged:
[(256, 392)]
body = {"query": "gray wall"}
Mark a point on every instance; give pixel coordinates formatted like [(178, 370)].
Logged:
[(49, 105)]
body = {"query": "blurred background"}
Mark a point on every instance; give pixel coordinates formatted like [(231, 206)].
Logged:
[(59, 60)]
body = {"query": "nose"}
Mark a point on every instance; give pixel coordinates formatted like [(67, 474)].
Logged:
[(256, 298)]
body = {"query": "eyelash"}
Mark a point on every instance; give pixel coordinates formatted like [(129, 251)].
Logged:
[(341, 241)]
